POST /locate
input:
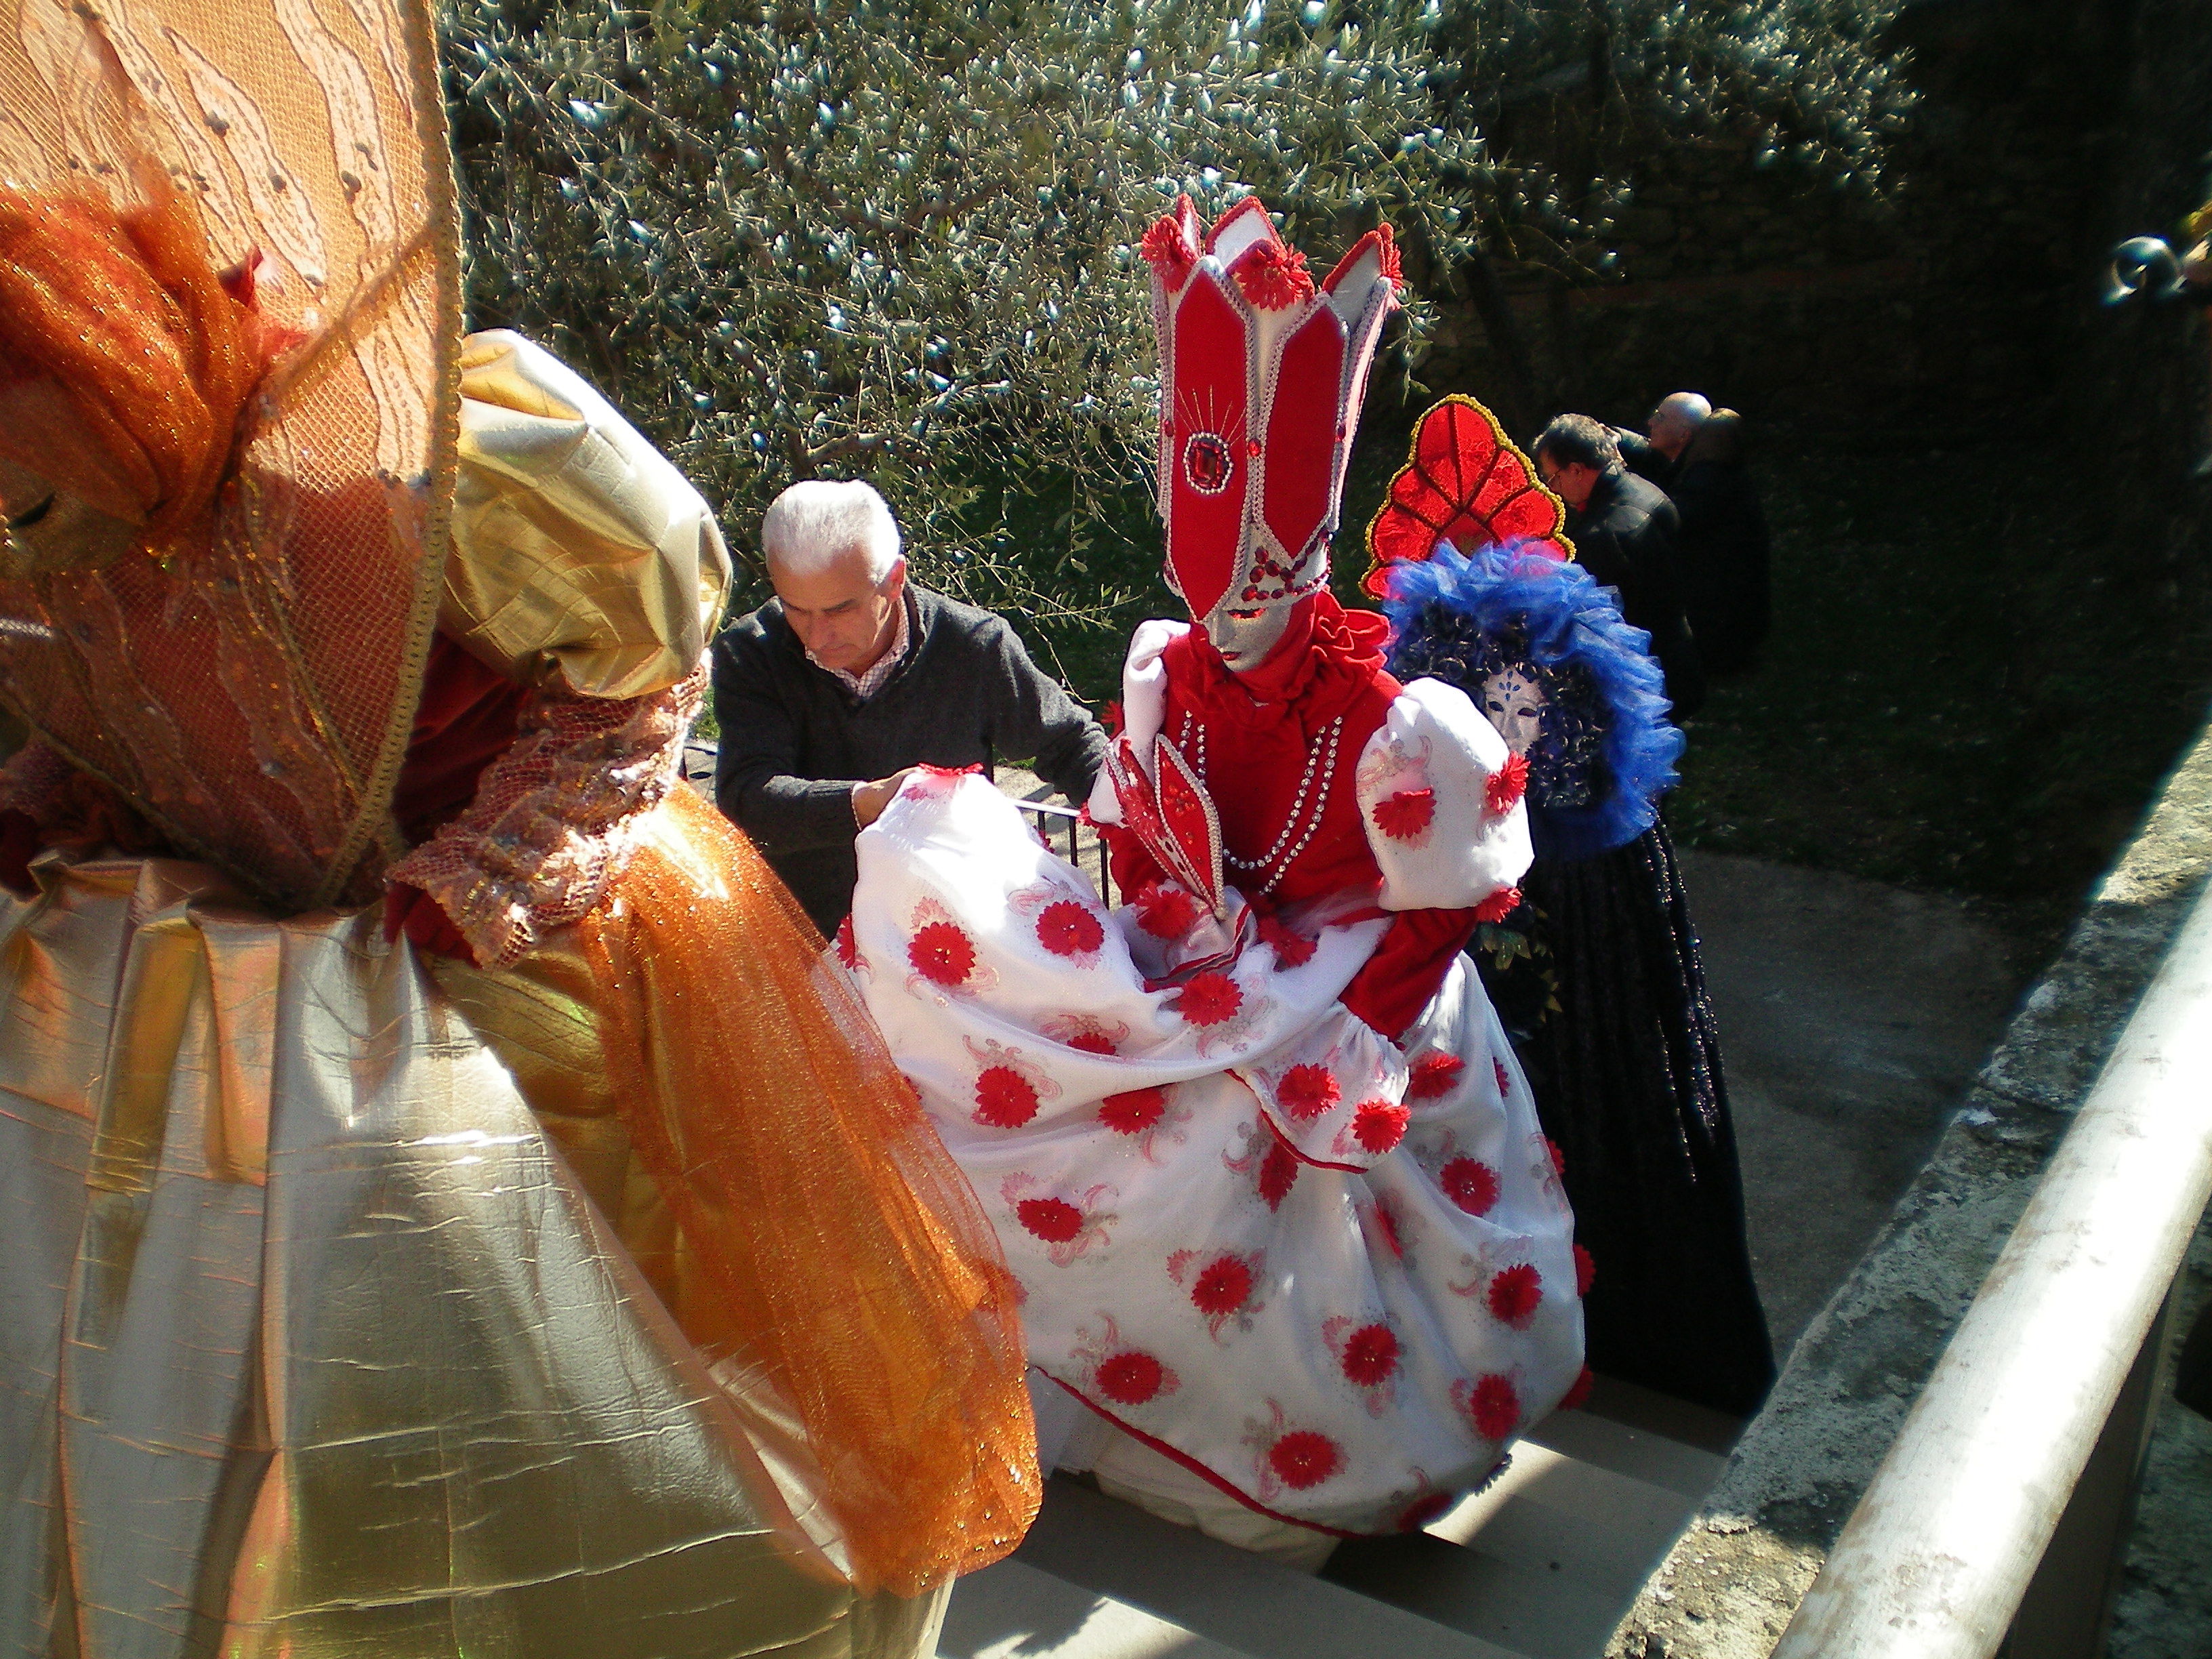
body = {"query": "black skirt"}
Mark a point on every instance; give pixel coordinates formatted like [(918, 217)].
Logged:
[(1597, 980)]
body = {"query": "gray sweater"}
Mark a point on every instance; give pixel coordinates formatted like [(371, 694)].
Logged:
[(795, 739)]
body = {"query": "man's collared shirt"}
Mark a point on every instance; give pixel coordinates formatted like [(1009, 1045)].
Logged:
[(870, 680)]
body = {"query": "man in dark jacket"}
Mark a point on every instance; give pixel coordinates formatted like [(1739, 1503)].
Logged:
[(828, 695), (1723, 549), (1623, 528)]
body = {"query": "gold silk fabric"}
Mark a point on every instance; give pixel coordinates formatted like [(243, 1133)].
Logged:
[(254, 698), (317, 1349), (582, 561)]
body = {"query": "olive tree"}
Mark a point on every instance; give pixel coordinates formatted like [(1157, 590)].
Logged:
[(898, 237)]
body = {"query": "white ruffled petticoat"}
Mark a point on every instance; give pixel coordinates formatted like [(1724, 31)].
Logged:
[(1333, 1278)]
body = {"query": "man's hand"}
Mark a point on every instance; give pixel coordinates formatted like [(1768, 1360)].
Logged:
[(869, 800)]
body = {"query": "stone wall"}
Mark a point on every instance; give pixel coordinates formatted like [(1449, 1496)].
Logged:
[(1732, 1584)]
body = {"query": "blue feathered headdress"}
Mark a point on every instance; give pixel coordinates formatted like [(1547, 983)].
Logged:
[(1608, 750)]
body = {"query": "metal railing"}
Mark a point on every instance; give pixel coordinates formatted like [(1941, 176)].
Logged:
[(1067, 821), (2049, 1374)]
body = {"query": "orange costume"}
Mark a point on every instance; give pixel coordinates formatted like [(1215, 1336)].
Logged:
[(559, 1266)]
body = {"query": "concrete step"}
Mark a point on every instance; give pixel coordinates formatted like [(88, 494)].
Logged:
[(1015, 1611), (1540, 1566)]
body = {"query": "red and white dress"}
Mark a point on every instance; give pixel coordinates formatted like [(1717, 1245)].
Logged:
[(1257, 1148)]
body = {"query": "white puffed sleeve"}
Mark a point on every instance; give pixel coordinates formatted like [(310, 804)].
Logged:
[(1440, 795), (1144, 704)]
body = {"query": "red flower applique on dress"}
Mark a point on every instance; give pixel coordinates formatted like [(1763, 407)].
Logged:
[(1369, 1356), (1053, 1220), (1085, 1033), (1503, 791), (1516, 1292), (1005, 1099), (942, 954), (1132, 1377), (1406, 815), (1166, 912), (1578, 1396), (1067, 1224), (1274, 277), (1124, 1375), (1147, 1115), (1134, 1111), (1307, 1091), (1261, 1154), (849, 947), (1304, 1458), (1292, 948), (1558, 1158), (1585, 1271), (1498, 906), (1434, 1076), (1222, 1286), (1471, 1184), (1388, 1232), (1208, 999), (1505, 1077), (1491, 1403), (1070, 929), (1009, 1087), (1378, 1126)]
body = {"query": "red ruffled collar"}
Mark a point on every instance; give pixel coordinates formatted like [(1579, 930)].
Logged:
[(1326, 659)]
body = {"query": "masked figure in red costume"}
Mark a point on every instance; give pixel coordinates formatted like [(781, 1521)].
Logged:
[(1255, 1144)]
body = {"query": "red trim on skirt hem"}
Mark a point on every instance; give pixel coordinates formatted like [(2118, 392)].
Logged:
[(1204, 1472)]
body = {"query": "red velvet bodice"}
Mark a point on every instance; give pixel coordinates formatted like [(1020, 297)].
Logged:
[(1266, 743)]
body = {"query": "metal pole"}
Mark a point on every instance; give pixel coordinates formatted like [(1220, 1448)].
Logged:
[(1936, 1559)]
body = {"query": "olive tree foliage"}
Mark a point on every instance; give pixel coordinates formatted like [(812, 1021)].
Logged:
[(897, 239), (1808, 82)]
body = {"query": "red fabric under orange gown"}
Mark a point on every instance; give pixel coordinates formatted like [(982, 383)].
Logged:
[(1258, 732)]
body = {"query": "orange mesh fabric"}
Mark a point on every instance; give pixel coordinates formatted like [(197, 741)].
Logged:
[(122, 314), (852, 1261)]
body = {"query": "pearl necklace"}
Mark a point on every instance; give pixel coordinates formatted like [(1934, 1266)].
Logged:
[(1320, 769)]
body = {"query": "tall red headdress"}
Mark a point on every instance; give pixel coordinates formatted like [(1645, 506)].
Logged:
[(1262, 375)]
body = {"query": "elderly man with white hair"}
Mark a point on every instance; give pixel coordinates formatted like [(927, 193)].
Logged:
[(852, 675)]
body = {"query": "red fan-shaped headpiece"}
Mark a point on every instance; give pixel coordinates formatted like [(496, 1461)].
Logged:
[(1465, 483)]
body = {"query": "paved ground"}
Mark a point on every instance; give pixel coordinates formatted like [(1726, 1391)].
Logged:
[(1852, 1016)]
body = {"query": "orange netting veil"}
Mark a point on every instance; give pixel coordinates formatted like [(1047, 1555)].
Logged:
[(126, 359), (853, 1268)]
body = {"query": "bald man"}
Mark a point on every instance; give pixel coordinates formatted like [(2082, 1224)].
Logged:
[(1672, 422)]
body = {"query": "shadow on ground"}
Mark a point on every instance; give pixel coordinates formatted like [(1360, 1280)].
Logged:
[(1852, 1016)]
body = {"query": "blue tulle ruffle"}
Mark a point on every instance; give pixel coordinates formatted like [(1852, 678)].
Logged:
[(1597, 783)]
